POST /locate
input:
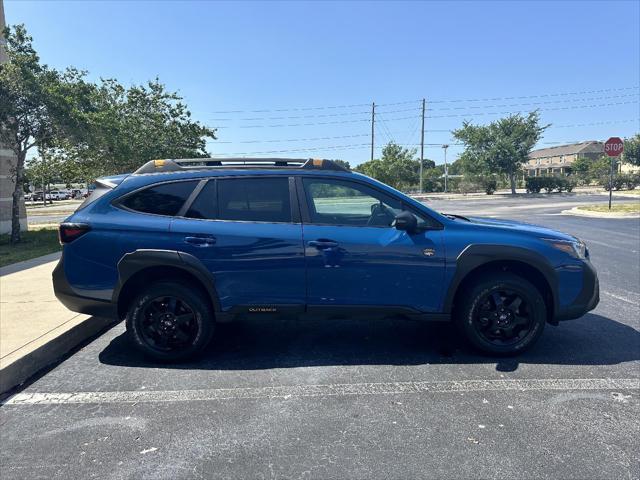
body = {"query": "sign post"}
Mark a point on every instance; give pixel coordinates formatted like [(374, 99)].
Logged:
[(613, 147)]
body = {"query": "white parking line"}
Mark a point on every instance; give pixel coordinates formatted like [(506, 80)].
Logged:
[(286, 392), (618, 297)]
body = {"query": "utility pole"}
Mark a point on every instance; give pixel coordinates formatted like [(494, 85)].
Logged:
[(422, 143), (446, 168), (373, 121)]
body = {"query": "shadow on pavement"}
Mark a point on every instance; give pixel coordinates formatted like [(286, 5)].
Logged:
[(265, 344)]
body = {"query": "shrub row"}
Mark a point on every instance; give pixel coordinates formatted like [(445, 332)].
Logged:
[(549, 184), (623, 181)]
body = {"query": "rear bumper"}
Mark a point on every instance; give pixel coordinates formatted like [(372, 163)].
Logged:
[(77, 303), (587, 299)]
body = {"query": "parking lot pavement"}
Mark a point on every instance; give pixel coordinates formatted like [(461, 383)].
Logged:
[(352, 398)]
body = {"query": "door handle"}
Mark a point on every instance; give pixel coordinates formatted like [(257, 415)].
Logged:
[(322, 244), (200, 241)]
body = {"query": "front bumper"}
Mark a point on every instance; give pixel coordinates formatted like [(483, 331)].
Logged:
[(77, 303), (587, 299)]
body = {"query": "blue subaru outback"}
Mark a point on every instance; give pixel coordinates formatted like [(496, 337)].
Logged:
[(180, 245)]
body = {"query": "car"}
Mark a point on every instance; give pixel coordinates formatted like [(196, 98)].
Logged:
[(78, 193), (180, 246), (39, 196), (58, 195)]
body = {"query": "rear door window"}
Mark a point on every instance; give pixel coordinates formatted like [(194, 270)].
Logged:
[(163, 199), (254, 199)]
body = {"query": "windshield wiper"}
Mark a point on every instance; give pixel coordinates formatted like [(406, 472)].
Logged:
[(456, 217)]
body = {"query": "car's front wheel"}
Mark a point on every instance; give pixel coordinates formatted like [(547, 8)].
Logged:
[(502, 314), (170, 322)]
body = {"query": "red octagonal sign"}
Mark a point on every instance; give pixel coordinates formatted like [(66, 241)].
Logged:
[(613, 147)]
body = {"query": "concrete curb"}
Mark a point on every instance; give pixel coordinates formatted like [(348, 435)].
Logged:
[(592, 214), (53, 349)]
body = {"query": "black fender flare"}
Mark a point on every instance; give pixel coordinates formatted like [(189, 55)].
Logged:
[(134, 262), (476, 255)]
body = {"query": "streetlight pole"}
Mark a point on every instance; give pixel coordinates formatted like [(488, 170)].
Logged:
[(373, 122), (422, 144), (446, 168)]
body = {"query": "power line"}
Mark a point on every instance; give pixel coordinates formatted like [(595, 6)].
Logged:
[(301, 109), (311, 139), (294, 117), (340, 122), (573, 107), (310, 149), (415, 109), (407, 102), (584, 92), (536, 103)]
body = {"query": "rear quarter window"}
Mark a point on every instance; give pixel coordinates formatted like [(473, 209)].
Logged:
[(163, 199)]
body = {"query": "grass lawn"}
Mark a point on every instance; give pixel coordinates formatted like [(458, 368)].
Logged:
[(631, 208), (35, 243)]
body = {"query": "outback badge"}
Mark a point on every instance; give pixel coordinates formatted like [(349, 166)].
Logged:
[(428, 252)]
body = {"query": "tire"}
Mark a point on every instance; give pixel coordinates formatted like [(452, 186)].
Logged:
[(494, 321), (170, 322)]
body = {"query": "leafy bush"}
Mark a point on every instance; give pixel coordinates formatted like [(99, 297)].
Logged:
[(570, 185), (535, 184), (467, 185), (489, 184), (549, 184), (622, 182)]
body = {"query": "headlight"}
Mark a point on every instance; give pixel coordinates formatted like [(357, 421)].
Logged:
[(576, 249)]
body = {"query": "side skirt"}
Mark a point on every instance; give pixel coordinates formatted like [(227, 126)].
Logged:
[(331, 312)]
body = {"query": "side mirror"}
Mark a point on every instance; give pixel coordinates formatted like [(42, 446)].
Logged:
[(406, 221)]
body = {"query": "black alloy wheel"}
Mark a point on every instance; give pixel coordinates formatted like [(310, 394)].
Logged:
[(168, 323), (171, 321), (501, 314), (503, 317)]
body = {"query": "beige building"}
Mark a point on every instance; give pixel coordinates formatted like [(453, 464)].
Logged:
[(558, 160), (7, 163)]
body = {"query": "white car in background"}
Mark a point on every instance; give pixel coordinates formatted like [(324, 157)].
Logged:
[(59, 195)]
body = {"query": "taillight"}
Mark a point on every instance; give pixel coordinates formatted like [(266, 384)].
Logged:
[(68, 232)]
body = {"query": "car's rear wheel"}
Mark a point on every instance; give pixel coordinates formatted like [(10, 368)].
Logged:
[(170, 322), (502, 314)]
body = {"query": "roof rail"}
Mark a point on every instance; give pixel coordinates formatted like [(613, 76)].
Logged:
[(178, 164)]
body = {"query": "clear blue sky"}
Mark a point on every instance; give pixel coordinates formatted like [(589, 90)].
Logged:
[(284, 58)]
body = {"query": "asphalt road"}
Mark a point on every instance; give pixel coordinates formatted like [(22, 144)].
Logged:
[(355, 399)]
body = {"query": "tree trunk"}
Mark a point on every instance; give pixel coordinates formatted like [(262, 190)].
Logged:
[(17, 196), (512, 178)]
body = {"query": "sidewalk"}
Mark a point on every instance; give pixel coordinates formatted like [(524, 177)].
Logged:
[(36, 329)]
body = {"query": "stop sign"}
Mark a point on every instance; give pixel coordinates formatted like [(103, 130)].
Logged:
[(613, 147)]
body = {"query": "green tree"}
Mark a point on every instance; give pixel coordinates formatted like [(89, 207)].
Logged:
[(631, 153), (343, 163), (502, 146), (128, 127), (600, 167), (37, 106), (398, 166), (581, 167)]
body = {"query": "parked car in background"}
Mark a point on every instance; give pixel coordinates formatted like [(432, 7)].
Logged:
[(38, 196), (78, 193), (57, 195)]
